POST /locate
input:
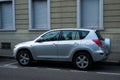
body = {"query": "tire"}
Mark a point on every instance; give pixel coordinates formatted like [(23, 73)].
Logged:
[(24, 58), (82, 61)]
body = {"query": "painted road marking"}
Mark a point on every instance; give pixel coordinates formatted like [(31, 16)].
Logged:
[(77, 71), (107, 73), (9, 65)]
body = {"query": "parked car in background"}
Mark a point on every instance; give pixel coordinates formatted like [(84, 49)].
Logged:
[(82, 47)]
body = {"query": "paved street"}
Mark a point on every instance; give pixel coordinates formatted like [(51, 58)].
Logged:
[(11, 70)]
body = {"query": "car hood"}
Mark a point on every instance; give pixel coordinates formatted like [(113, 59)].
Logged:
[(28, 43)]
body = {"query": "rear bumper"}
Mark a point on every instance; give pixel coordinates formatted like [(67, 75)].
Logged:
[(100, 56)]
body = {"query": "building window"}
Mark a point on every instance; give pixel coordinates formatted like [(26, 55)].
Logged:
[(7, 15), (39, 14), (90, 14)]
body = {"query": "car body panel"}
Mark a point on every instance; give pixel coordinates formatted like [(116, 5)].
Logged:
[(45, 50)]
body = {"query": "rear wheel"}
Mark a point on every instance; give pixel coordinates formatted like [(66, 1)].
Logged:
[(82, 61), (24, 58)]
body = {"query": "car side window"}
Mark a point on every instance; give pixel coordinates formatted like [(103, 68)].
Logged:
[(70, 35), (77, 37), (51, 36), (83, 34)]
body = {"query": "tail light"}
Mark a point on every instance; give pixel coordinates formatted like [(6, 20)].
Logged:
[(98, 42)]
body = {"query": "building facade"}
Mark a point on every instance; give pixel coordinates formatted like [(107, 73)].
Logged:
[(24, 20)]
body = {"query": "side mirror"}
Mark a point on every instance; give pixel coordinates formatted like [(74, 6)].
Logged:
[(40, 40)]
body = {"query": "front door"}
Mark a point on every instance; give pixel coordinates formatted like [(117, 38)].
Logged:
[(46, 48)]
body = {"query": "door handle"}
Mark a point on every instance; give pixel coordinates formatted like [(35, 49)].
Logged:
[(54, 44), (76, 44)]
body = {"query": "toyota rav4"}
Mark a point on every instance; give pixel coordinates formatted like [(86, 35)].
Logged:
[(83, 47)]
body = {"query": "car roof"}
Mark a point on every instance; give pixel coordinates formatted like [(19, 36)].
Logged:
[(73, 29)]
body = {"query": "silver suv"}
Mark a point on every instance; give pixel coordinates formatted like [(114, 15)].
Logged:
[(80, 46)]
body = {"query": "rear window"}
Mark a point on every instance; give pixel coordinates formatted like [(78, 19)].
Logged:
[(83, 34), (99, 35)]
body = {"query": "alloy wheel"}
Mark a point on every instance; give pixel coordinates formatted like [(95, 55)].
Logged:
[(24, 58), (82, 61)]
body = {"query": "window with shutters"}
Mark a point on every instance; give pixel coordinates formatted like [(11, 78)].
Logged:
[(39, 14), (90, 14), (6, 15)]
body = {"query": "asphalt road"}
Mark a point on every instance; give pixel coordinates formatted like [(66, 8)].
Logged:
[(11, 70)]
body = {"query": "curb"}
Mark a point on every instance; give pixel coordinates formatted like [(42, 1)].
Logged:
[(7, 57), (111, 63)]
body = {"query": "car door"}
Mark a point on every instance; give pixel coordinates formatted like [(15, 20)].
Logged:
[(67, 43), (46, 47)]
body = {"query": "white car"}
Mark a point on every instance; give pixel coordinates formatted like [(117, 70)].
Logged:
[(80, 46)]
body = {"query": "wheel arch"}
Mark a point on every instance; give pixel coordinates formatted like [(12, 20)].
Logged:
[(17, 53), (82, 51)]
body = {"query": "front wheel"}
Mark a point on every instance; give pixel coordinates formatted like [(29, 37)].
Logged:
[(24, 58), (82, 61)]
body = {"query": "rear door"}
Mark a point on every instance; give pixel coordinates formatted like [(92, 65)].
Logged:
[(67, 43)]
